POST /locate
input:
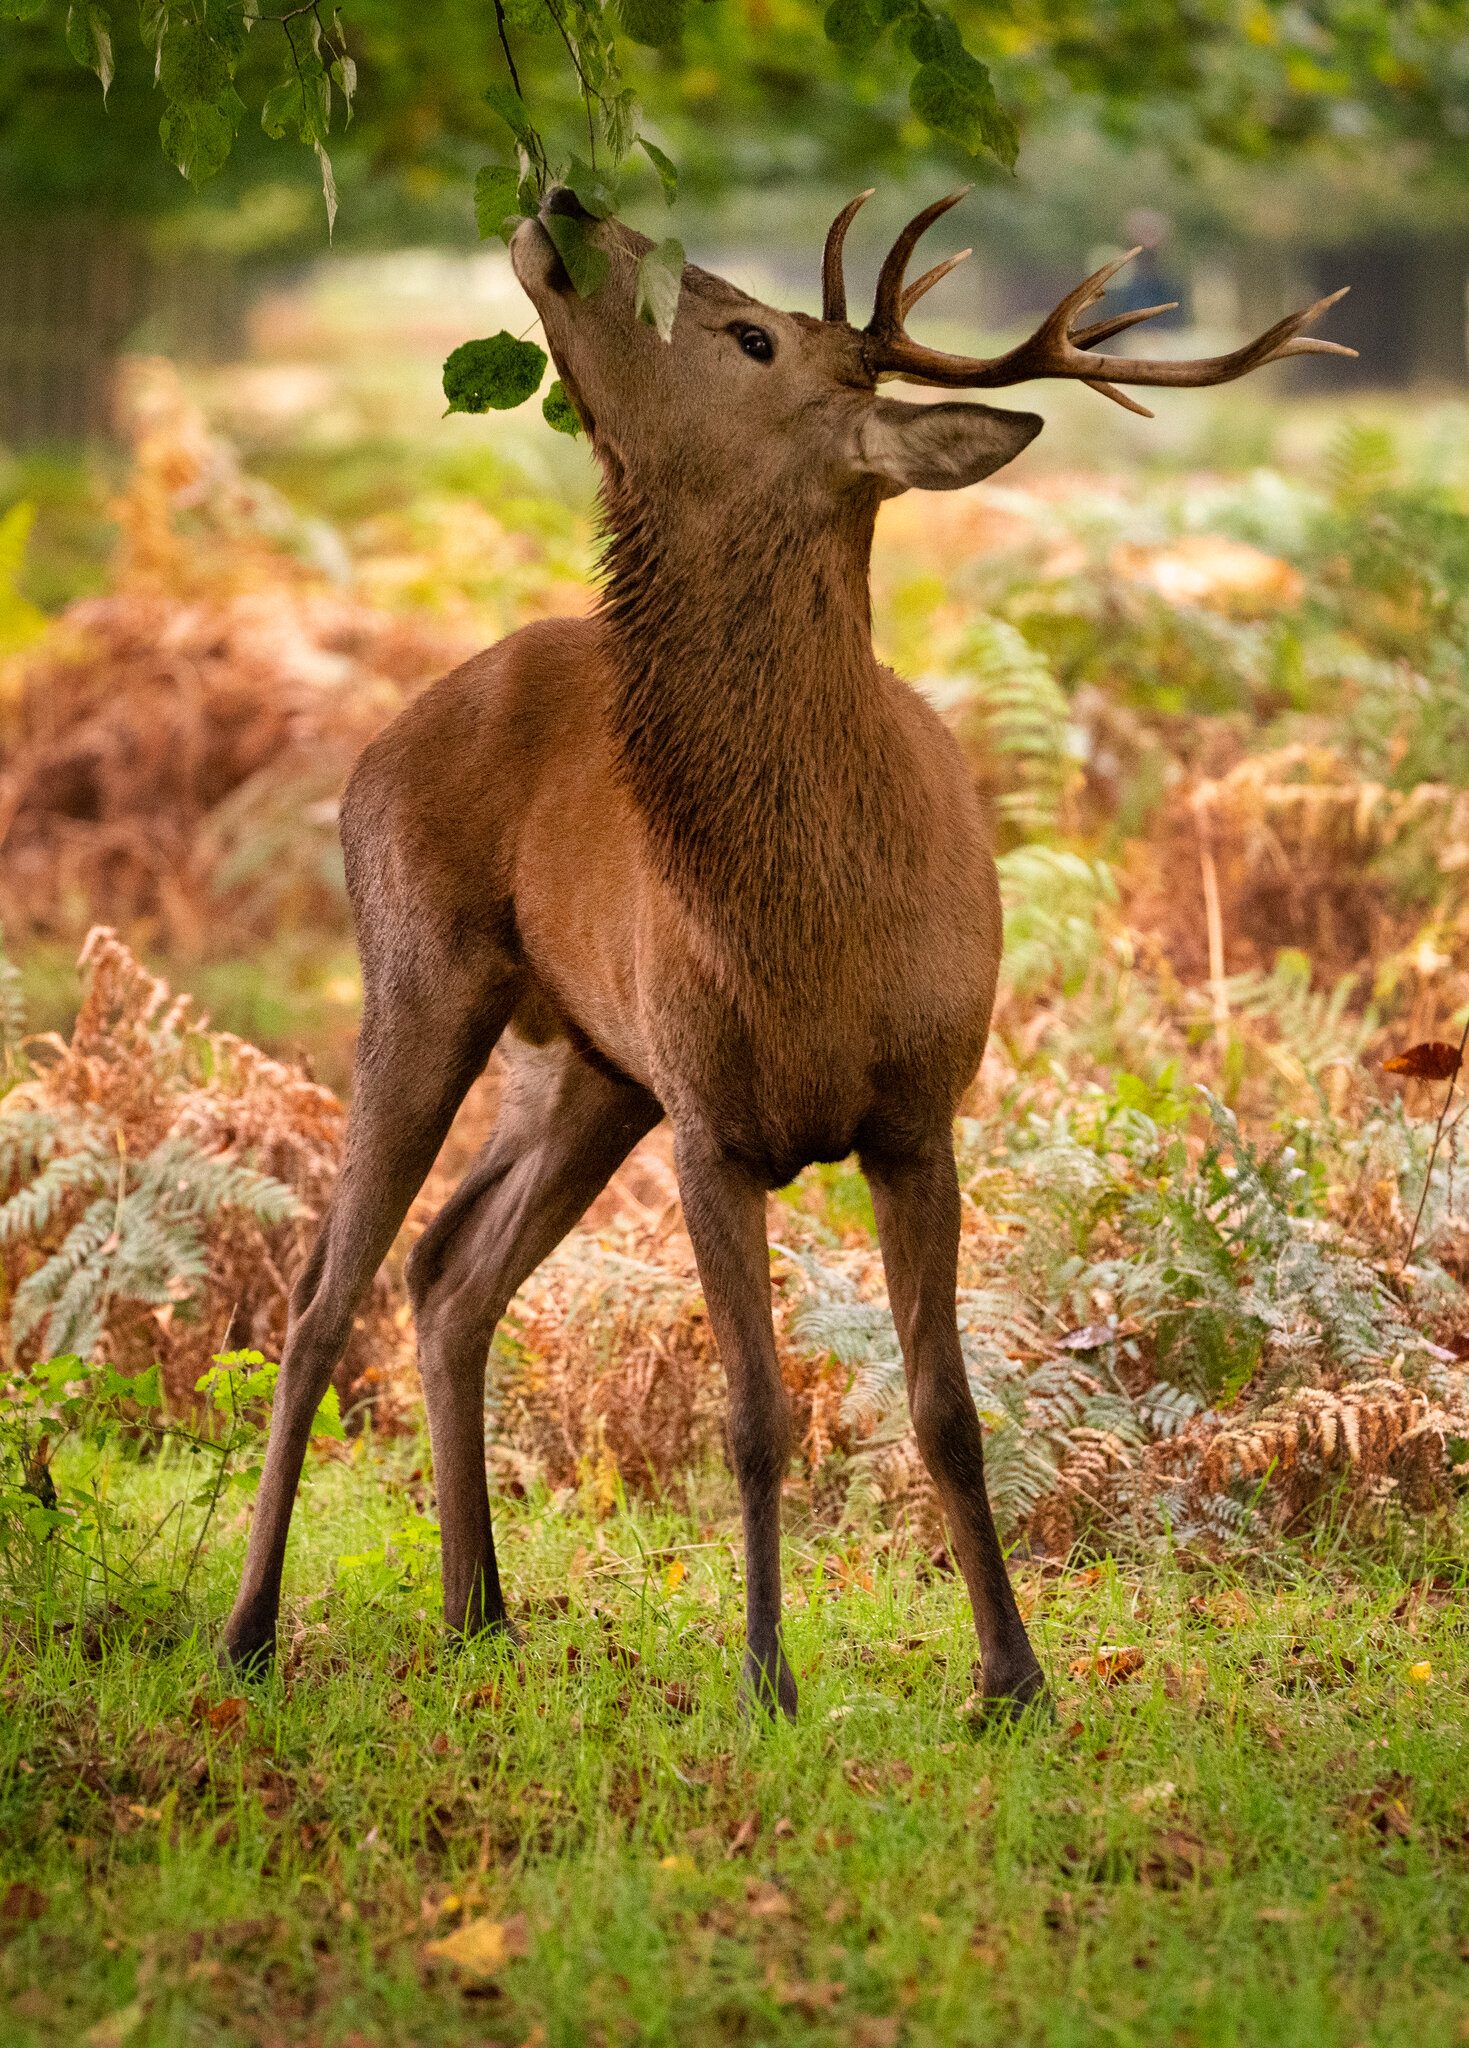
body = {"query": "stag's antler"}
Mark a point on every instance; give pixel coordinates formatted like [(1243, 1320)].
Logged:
[(1057, 348), (833, 280)]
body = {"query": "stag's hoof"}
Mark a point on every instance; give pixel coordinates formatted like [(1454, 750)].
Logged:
[(494, 1631), (247, 1655), (767, 1690), (1027, 1699)]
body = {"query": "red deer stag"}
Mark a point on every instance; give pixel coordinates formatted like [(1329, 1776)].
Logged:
[(699, 855)]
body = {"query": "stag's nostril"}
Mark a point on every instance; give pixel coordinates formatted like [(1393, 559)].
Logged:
[(561, 199)]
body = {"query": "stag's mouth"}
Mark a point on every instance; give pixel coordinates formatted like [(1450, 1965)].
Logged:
[(537, 263)]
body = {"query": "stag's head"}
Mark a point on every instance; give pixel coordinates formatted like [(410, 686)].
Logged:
[(779, 401)]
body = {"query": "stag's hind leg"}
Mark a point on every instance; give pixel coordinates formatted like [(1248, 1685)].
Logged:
[(563, 1130), (916, 1199), (423, 1040), (724, 1208)]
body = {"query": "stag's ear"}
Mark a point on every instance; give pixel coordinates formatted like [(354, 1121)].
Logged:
[(939, 447)]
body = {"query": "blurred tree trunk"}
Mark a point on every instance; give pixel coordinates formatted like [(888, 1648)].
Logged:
[(71, 292), (75, 290)]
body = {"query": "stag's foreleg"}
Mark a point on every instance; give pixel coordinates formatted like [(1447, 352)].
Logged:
[(916, 1199), (421, 1044), (562, 1131), (724, 1209)]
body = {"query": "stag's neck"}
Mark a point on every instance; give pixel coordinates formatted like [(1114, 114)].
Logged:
[(748, 712)]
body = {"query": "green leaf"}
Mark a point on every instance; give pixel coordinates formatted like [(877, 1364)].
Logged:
[(496, 374), (197, 137), (507, 103), (496, 198), (660, 280), (328, 188), (282, 109), (344, 71), (852, 25), (620, 117), (89, 38), (558, 411), (193, 66), (958, 100), (586, 264), (591, 188), (655, 22), (534, 16), (666, 168), (20, 10), (935, 38)]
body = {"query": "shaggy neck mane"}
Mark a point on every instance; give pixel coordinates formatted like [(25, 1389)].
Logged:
[(747, 712)]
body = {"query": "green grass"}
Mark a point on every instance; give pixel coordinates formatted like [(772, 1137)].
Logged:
[(1262, 1835)]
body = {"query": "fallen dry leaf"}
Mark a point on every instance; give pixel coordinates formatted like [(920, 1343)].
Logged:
[(808, 1998), (1178, 1858), (1185, 1682), (21, 1902), (1384, 1808), (1110, 1665), (742, 1841), (220, 1715), (481, 1948)]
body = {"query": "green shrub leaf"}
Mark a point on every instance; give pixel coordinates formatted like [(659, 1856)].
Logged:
[(197, 137), (591, 189), (89, 38), (660, 280), (496, 200), (559, 412), (655, 22), (666, 168), (852, 25), (586, 264), (282, 109), (493, 375), (953, 93), (508, 104)]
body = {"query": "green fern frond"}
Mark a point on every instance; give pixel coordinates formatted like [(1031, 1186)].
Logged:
[(32, 1211)]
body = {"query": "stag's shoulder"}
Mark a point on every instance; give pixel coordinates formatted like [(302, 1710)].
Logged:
[(939, 757), (503, 703)]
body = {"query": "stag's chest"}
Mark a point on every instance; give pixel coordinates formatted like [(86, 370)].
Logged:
[(795, 1039)]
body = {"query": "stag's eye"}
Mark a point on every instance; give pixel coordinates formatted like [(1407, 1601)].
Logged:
[(755, 342)]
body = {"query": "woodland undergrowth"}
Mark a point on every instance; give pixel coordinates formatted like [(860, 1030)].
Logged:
[(1213, 1263)]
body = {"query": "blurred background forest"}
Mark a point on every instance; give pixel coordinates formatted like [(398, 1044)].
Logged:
[(1210, 667)]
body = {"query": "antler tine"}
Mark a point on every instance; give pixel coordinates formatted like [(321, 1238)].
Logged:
[(914, 292), (887, 309), (1103, 330), (1058, 348), (833, 281)]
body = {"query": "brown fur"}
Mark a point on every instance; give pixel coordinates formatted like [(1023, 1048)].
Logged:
[(699, 855)]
